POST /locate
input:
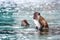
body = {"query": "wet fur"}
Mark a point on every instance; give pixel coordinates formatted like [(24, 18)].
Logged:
[(44, 24)]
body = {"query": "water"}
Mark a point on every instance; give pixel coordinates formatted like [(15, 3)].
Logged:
[(13, 11)]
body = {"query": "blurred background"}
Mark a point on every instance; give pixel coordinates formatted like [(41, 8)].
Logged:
[(13, 11)]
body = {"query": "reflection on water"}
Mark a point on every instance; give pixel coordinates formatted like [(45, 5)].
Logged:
[(12, 12), (28, 35)]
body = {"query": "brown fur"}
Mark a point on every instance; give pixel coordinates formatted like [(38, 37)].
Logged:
[(43, 23), (26, 22)]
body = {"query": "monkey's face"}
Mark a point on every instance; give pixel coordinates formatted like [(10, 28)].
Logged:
[(36, 15)]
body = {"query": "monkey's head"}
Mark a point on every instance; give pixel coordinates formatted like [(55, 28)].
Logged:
[(36, 14)]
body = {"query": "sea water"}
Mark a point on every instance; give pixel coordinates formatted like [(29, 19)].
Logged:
[(13, 11)]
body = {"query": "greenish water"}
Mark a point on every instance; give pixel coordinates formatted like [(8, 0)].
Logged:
[(12, 12)]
